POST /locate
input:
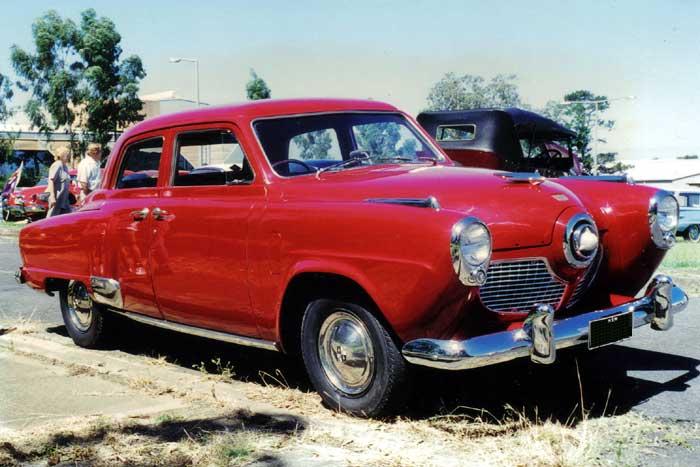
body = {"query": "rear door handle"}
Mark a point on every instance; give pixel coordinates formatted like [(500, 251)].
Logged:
[(159, 214), (139, 214)]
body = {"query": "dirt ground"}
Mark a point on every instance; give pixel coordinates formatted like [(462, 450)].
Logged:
[(234, 414)]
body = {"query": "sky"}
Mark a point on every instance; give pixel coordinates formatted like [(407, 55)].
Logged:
[(395, 51)]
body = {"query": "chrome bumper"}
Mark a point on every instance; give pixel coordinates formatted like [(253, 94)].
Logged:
[(541, 335)]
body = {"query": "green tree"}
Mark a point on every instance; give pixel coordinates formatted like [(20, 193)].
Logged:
[(583, 116), (464, 92), (51, 74), (7, 140), (313, 145), (110, 84), (257, 88)]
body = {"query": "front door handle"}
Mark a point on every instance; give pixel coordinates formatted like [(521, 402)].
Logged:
[(159, 214), (139, 214)]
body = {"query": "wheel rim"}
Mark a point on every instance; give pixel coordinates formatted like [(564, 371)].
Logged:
[(79, 306), (694, 233), (346, 352)]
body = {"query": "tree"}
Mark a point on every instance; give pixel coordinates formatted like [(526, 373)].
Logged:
[(52, 74), (583, 117), (313, 145), (7, 140), (76, 77), (454, 92), (257, 88), (110, 85)]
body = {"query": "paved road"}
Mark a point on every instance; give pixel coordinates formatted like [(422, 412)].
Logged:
[(654, 373)]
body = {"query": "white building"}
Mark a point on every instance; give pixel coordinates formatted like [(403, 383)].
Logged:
[(665, 171)]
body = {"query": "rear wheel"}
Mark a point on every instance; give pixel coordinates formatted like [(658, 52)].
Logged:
[(352, 360), (693, 233), (85, 320)]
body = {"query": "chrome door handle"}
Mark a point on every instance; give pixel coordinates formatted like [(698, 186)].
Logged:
[(139, 214), (159, 214)]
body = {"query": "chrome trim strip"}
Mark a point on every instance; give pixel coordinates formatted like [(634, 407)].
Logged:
[(429, 202), (661, 301), (201, 332)]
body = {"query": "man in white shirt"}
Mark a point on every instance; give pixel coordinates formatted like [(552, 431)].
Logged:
[(89, 170)]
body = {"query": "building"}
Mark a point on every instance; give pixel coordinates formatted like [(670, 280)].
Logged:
[(665, 171)]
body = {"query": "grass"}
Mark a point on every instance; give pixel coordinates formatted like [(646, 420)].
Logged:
[(684, 255)]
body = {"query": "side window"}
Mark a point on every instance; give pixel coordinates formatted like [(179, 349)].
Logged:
[(210, 157), (317, 145), (456, 132), (139, 167)]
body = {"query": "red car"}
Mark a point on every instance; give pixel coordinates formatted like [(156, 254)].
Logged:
[(339, 230), (32, 202)]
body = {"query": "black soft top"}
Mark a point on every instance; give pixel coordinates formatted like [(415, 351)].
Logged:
[(496, 130)]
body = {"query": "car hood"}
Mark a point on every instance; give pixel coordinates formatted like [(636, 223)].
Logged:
[(519, 214)]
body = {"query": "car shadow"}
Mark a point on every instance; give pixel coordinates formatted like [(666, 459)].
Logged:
[(603, 381)]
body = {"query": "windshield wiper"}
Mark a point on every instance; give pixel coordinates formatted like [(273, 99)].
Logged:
[(354, 158)]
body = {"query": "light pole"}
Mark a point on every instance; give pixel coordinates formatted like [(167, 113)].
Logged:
[(597, 103), (196, 73)]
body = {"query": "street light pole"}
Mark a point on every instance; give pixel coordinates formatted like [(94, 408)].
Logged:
[(597, 103), (196, 73)]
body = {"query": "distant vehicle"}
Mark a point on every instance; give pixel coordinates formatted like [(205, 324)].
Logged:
[(31, 203), (509, 139), (689, 220)]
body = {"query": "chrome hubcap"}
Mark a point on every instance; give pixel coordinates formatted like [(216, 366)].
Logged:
[(79, 306), (346, 352), (694, 233)]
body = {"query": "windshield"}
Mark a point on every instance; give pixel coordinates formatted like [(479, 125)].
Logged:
[(304, 144)]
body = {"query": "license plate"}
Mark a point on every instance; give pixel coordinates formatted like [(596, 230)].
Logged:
[(608, 330)]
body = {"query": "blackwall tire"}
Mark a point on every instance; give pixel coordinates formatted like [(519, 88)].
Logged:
[(351, 359), (85, 320)]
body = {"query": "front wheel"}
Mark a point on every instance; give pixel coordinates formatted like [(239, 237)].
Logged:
[(85, 320), (352, 360), (693, 233)]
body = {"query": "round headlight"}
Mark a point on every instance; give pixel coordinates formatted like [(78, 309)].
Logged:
[(470, 248), (581, 240), (663, 219)]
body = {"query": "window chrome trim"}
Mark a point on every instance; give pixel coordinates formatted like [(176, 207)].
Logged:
[(427, 141), (122, 160)]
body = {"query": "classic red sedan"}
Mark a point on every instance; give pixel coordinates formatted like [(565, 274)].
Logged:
[(32, 202), (339, 230)]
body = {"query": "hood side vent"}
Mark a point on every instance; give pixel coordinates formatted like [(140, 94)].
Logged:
[(429, 202)]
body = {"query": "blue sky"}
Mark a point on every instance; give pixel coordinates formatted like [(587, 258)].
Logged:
[(395, 51)]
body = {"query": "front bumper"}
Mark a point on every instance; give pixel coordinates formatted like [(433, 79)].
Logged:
[(541, 335)]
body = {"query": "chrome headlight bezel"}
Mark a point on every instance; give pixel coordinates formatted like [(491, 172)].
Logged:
[(576, 225), (663, 236), (470, 273)]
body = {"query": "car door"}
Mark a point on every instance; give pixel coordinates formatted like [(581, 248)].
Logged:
[(128, 236), (199, 249)]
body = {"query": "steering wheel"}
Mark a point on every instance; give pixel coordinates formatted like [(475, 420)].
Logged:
[(308, 167)]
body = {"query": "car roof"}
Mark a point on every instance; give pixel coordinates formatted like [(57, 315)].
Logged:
[(258, 109)]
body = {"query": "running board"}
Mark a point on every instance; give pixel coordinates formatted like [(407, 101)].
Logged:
[(201, 332)]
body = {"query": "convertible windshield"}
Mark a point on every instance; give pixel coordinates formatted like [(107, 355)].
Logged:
[(304, 144)]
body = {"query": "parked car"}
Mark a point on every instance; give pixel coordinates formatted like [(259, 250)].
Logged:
[(689, 221), (509, 139), (340, 231), (32, 202)]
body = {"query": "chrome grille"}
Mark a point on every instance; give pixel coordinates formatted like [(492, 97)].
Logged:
[(519, 285)]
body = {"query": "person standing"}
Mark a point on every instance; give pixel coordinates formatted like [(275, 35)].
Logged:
[(59, 184), (89, 170)]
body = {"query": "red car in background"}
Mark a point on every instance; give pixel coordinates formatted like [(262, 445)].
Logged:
[(32, 202)]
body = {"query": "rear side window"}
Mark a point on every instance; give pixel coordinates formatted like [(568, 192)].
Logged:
[(140, 165), (210, 157), (456, 132)]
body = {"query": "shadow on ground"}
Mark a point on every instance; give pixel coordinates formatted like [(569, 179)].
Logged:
[(554, 392), (171, 430)]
